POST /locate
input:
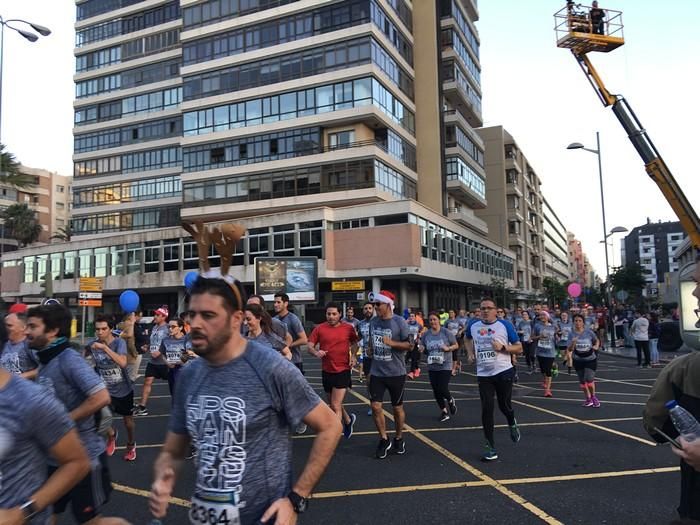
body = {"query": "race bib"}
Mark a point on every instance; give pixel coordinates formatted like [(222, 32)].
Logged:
[(436, 359), (173, 357), (208, 512), (111, 376), (381, 351), (486, 356), (546, 342)]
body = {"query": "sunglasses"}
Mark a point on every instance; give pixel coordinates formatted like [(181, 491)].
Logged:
[(174, 326)]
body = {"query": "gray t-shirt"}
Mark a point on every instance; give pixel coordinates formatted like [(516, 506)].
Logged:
[(545, 344), (413, 330), (387, 362), (294, 327), (31, 423), (453, 326), (363, 332), (565, 330), (525, 330), (158, 334), (583, 351), (239, 416), (271, 340), (115, 377), (172, 349), (71, 380), (17, 358), (433, 343)]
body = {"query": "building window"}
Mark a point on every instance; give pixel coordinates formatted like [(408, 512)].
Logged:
[(60, 189), (341, 139)]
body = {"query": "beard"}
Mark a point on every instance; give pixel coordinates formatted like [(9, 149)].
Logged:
[(206, 346), (38, 343)]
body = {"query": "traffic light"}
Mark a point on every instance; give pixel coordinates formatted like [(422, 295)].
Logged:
[(46, 284)]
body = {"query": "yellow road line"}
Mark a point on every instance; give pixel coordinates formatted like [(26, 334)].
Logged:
[(592, 475), (587, 423), (409, 488), (139, 492), (477, 473)]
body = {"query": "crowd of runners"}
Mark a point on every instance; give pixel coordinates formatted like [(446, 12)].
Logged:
[(236, 378)]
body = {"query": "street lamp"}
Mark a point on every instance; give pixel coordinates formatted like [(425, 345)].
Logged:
[(578, 145), (28, 35)]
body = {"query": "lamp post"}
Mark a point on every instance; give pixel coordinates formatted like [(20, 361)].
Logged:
[(28, 35), (578, 145)]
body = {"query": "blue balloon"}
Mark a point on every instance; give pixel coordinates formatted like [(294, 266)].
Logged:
[(190, 278), (129, 301)]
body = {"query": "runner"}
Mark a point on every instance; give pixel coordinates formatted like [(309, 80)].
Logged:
[(109, 354), (350, 317), (34, 426), (157, 367), (453, 326), (252, 395), (277, 326), (490, 343), (363, 343), (388, 340), (69, 378), (335, 343), (564, 328), (544, 335), (174, 349), (583, 349), (16, 357), (439, 343), (259, 328), (413, 355), (524, 328)]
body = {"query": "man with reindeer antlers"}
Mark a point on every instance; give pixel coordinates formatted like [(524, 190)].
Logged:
[(237, 404)]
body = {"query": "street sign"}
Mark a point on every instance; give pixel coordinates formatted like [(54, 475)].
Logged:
[(622, 295), (90, 302), (89, 295), (91, 284), (347, 286)]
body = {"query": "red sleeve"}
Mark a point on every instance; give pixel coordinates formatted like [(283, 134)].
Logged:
[(353, 335), (313, 338)]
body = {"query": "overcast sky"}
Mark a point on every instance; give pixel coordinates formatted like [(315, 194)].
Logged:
[(532, 88)]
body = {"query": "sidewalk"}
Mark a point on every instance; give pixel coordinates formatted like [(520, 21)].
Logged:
[(631, 353)]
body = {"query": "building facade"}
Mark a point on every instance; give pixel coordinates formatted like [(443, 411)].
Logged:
[(514, 215), (653, 246), (268, 112), (556, 245)]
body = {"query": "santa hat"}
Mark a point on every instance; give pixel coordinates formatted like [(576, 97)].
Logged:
[(383, 296), (163, 310), (18, 308)]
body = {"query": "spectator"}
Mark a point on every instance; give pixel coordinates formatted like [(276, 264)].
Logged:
[(597, 16)]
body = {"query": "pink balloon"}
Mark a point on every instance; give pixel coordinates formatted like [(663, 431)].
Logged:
[(574, 289)]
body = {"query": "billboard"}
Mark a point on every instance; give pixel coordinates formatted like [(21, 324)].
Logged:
[(295, 276)]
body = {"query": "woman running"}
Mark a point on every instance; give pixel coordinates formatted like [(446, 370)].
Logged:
[(259, 325), (583, 347), (438, 343), (174, 348), (524, 329), (544, 334)]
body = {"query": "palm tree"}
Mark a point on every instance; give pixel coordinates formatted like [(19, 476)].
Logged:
[(21, 223), (62, 234), (10, 174)]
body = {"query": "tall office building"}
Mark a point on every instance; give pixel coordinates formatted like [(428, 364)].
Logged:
[(336, 129), (652, 246)]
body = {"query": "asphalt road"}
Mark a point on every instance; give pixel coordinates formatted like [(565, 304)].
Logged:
[(574, 464)]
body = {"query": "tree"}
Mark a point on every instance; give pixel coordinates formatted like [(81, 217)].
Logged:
[(62, 234), (628, 278), (21, 223), (10, 174), (555, 290)]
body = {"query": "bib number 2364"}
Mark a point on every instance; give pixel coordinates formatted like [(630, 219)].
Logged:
[(204, 512)]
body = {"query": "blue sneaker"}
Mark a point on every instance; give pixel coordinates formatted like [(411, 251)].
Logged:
[(348, 427), (490, 454)]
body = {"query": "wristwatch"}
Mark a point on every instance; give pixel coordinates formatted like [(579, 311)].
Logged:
[(29, 510), (298, 502)]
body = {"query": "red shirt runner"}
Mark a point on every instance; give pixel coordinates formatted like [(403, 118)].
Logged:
[(336, 341)]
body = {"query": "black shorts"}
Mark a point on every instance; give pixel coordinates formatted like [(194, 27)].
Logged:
[(123, 406), (378, 385), (546, 365), (582, 365), (337, 380), (157, 371), (367, 365), (89, 494)]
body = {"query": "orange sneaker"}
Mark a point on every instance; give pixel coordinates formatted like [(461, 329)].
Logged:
[(111, 444), (547, 393), (130, 453)]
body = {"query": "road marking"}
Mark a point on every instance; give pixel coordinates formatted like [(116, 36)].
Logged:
[(408, 488), (140, 492), (602, 392), (476, 472), (592, 475), (587, 423), (622, 382), (608, 401)]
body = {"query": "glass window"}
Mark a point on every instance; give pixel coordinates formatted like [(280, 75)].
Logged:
[(133, 258)]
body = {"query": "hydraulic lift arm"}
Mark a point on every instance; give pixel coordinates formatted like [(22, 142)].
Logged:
[(655, 166)]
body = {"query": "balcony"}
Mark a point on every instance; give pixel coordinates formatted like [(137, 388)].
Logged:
[(462, 190), (466, 217), (460, 93)]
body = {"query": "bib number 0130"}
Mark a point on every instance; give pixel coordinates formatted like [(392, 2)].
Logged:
[(213, 513)]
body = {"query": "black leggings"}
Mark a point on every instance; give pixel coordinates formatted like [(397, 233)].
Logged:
[(413, 356), (642, 346), (501, 385), (529, 351), (440, 381)]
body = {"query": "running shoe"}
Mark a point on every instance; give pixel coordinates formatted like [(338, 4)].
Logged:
[(596, 402), (369, 411), (348, 427), (490, 454), (452, 406), (111, 444), (416, 373), (547, 393), (301, 428), (410, 375), (444, 416), (514, 432), (130, 454), (399, 446), (515, 377), (588, 402), (140, 410), (383, 448)]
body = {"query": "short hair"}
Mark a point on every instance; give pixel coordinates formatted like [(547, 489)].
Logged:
[(259, 298), (54, 317), (350, 307), (333, 305), (580, 316), (21, 316), (177, 320), (231, 294), (283, 296), (490, 299), (104, 319), (434, 313), (367, 303)]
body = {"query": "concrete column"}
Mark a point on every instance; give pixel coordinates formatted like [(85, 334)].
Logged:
[(424, 298), (376, 284), (403, 294), (181, 300)]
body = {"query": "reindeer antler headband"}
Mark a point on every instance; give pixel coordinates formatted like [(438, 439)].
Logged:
[(224, 239)]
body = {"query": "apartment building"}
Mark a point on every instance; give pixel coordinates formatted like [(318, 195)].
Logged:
[(342, 130), (556, 245), (653, 246)]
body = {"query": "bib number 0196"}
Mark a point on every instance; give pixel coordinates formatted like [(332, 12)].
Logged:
[(213, 513)]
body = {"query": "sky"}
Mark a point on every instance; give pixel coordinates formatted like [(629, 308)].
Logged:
[(532, 88)]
